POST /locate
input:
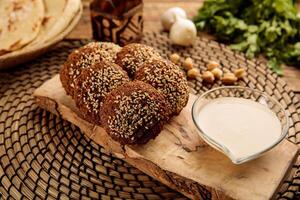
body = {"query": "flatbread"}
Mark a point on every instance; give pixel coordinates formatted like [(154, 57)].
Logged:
[(53, 11), (71, 8), (20, 23)]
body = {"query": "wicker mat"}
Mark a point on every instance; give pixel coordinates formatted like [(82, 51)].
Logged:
[(44, 157)]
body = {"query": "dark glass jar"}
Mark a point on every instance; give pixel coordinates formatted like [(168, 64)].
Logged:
[(118, 21)]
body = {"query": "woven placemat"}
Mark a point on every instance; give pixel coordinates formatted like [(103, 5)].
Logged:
[(44, 157)]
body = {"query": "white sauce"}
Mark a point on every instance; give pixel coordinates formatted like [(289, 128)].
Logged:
[(243, 126)]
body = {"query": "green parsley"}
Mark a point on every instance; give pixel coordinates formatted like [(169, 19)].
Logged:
[(268, 27)]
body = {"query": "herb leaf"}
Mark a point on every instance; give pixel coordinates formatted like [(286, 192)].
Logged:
[(268, 27)]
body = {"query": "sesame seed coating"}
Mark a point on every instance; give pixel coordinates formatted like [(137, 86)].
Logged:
[(97, 76), (92, 86), (85, 57), (132, 56), (167, 78), (134, 113)]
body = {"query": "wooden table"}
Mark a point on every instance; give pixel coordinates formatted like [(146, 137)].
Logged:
[(152, 12)]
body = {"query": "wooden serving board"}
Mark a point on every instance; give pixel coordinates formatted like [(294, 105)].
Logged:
[(179, 158)]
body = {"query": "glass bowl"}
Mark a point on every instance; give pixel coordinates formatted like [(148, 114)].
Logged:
[(245, 93)]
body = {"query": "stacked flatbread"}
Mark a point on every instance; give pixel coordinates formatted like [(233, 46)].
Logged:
[(28, 24)]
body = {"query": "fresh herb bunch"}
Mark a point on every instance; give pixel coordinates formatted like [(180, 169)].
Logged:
[(270, 27)]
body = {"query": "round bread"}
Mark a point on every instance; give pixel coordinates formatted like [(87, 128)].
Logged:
[(167, 78), (132, 56), (92, 86), (85, 57), (134, 113), (20, 23)]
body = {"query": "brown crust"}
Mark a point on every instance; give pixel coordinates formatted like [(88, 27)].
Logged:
[(131, 112), (132, 56), (65, 76), (134, 113), (85, 57), (92, 86), (167, 78)]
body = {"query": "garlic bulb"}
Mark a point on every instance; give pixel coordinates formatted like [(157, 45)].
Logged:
[(169, 17), (183, 32)]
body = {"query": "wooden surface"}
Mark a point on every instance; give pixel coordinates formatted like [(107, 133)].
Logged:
[(152, 11), (179, 158)]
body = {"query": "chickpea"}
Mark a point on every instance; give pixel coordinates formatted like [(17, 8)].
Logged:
[(217, 72), (208, 77), (229, 78), (188, 64), (193, 73), (240, 73), (175, 58), (211, 65)]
